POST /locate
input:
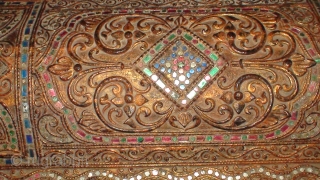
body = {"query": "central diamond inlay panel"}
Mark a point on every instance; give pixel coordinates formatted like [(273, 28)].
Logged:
[(181, 66)]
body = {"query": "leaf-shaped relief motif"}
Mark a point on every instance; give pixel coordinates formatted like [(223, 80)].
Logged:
[(128, 26), (119, 35), (139, 35), (300, 64), (91, 122), (181, 20), (129, 110), (130, 123), (6, 50), (229, 27), (90, 23), (220, 36), (270, 21), (277, 114), (227, 97), (248, 97), (238, 121), (238, 106), (139, 99), (118, 101), (184, 118), (63, 68)]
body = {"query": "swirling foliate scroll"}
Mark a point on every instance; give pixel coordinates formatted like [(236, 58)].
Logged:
[(6, 50), (124, 34), (249, 105), (100, 37), (243, 110), (78, 93), (122, 110), (53, 130), (89, 4), (244, 34)]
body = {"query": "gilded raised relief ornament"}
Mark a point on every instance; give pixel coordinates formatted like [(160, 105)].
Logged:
[(169, 89)]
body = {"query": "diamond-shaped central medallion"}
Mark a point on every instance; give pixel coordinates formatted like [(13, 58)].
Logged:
[(181, 66)]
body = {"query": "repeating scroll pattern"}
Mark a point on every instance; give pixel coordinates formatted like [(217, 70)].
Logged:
[(160, 3), (113, 36), (131, 3), (6, 50), (258, 111), (133, 107), (248, 101), (9, 20), (198, 155)]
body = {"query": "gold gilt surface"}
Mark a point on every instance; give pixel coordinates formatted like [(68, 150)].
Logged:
[(159, 89)]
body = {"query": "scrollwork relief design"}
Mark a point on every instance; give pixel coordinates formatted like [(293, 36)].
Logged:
[(199, 155), (126, 104), (38, 99), (238, 31), (131, 3), (52, 130), (303, 16), (258, 110), (52, 21), (8, 20), (113, 36), (6, 50), (255, 41)]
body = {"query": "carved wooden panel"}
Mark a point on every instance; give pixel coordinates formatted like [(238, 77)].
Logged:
[(169, 89)]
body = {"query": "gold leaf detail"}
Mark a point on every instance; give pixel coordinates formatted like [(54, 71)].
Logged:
[(139, 35), (238, 106), (140, 100), (128, 27), (229, 27), (184, 118), (248, 97), (219, 36), (117, 101), (300, 64), (278, 113), (118, 35), (227, 97), (129, 110), (91, 122), (238, 121), (63, 68), (130, 123)]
